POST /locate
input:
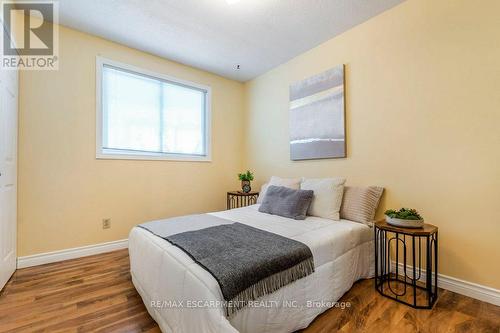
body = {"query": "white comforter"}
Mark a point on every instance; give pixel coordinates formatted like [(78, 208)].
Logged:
[(183, 297)]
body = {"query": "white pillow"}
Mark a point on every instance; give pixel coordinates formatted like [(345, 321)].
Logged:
[(327, 198), (262, 192), (293, 183)]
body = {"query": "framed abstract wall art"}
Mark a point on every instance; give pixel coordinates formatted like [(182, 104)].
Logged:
[(317, 116)]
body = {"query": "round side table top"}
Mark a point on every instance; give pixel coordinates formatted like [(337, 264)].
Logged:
[(241, 193), (427, 229)]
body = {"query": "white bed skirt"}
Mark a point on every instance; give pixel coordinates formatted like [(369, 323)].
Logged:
[(172, 294)]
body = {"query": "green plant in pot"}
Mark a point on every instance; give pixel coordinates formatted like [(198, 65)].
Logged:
[(246, 178), (405, 217)]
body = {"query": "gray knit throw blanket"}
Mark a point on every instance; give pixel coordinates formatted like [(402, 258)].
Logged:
[(246, 262)]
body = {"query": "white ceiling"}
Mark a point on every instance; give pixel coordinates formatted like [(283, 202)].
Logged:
[(216, 36)]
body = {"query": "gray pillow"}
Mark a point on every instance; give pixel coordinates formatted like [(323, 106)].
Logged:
[(286, 202)]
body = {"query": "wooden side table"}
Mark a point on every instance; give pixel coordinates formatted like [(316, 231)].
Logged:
[(400, 275), (237, 199)]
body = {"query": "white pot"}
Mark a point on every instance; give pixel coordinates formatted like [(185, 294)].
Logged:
[(404, 223)]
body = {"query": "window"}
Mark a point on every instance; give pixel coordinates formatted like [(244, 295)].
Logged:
[(143, 115)]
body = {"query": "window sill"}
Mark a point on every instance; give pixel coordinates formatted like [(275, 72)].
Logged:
[(152, 157)]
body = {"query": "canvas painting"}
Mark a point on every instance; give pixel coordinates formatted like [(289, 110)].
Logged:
[(317, 116)]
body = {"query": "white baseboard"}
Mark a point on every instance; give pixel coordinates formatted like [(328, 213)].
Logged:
[(77, 252), (474, 290)]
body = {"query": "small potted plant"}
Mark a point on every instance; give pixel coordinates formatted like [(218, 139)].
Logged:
[(405, 217), (245, 178)]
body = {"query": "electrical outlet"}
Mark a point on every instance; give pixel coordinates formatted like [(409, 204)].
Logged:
[(106, 223)]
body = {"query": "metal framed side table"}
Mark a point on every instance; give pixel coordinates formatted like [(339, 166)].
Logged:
[(400, 256), (237, 199)]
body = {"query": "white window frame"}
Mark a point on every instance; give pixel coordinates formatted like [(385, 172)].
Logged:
[(102, 153)]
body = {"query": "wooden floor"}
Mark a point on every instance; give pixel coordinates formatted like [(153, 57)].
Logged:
[(95, 294)]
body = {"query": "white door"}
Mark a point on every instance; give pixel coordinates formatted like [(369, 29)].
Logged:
[(8, 173)]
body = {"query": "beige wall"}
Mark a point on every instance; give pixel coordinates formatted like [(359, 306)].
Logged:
[(64, 192), (423, 108), (423, 115)]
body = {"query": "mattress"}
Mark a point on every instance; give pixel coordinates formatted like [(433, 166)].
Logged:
[(183, 297)]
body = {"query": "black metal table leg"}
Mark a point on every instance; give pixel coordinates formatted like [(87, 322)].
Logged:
[(384, 261)]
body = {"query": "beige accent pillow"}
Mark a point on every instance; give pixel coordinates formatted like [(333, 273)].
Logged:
[(360, 203), (293, 183), (327, 197)]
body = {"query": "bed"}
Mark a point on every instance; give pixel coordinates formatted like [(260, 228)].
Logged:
[(183, 297)]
